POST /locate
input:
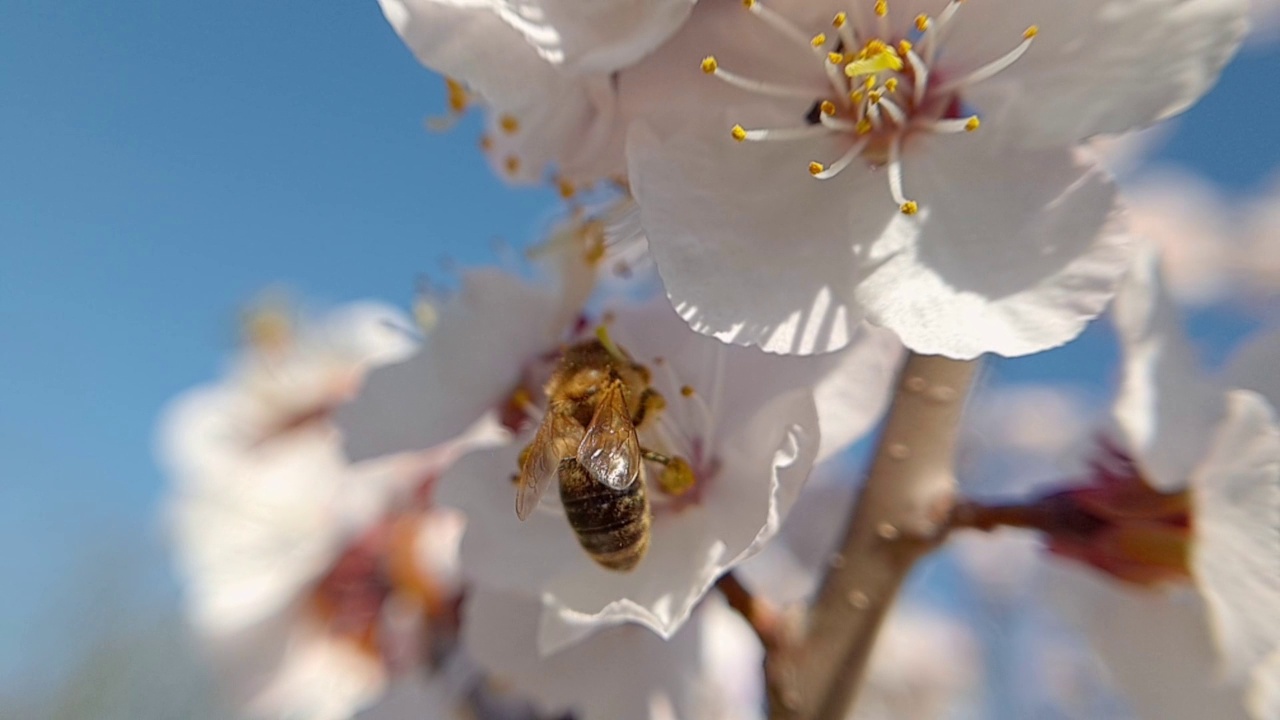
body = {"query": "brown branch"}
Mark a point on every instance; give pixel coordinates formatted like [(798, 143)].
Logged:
[(901, 514), (762, 618)]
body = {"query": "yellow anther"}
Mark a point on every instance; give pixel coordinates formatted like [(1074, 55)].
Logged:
[(816, 168), (922, 22), (863, 127), (972, 123), (835, 58), (839, 20), (874, 96), (709, 64), (566, 188), (891, 85), (748, 4), (687, 391), (904, 47), (870, 82), (856, 97), (677, 477), (458, 95), (874, 60), (509, 124), (486, 143), (909, 208), (827, 107), (739, 133), (1030, 32), (512, 164), (818, 40), (882, 8)]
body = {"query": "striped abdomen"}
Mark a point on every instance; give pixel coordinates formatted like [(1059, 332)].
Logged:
[(612, 526)]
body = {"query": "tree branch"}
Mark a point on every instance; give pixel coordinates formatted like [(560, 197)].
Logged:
[(901, 514)]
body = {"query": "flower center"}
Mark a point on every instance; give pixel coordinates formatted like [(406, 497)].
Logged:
[(883, 89)]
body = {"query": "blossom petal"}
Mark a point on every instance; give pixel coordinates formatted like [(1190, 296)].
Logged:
[(1014, 250), (1166, 408), (1236, 556), (1096, 66), (471, 360), (598, 36), (1253, 367), (751, 249)]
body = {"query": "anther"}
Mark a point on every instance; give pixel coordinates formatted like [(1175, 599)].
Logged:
[(864, 126), (882, 8), (739, 133), (891, 85), (509, 124), (827, 107), (566, 188), (687, 391), (835, 58), (486, 143), (1030, 32), (909, 207), (512, 164), (459, 98), (972, 123), (709, 64), (839, 20), (922, 22), (818, 40), (816, 168)]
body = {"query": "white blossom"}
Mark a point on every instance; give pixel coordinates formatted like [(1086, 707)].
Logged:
[(823, 175)]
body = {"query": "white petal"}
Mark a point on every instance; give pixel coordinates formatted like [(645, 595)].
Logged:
[(751, 248), (1156, 645), (469, 363), (320, 679), (853, 397), (1264, 695), (1166, 408), (1013, 251), (372, 332), (1236, 556), (1096, 66), (621, 672), (597, 36)]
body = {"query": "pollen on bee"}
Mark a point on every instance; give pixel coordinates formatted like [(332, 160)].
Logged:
[(509, 124), (739, 133), (972, 123), (677, 477), (709, 64), (909, 207), (816, 168)]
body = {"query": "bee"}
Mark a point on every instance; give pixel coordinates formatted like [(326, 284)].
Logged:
[(596, 399)]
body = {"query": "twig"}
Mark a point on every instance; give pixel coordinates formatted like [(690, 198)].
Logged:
[(901, 514), (762, 618)]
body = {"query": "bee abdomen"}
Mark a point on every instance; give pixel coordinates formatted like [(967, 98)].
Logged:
[(612, 526)]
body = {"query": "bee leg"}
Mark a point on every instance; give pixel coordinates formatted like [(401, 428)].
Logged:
[(677, 477), (651, 402)]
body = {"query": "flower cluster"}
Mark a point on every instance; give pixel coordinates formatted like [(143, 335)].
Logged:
[(542, 497)]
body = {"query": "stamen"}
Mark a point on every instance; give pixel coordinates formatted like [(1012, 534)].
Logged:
[(511, 164), (922, 22), (921, 73), (711, 67), (845, 29), (895, 112), (777, 22), (908, 207), (933, 35), (835, 123), (992, 68), (952, 125), (848, 157), (805, 132), (509, 124)]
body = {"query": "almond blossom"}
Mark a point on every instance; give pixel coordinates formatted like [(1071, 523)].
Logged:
[(914, 163), (1185, 503), (746, 423), (311, 581), (541, 68)]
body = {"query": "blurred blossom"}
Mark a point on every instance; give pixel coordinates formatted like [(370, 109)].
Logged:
[(306, 577), (622, 672), (925, 666), (745, 421)]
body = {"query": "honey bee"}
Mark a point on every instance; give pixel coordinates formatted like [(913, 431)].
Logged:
[(596, 399)]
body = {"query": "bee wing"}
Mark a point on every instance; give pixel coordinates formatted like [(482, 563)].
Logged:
[(610, 450), (541, 461)]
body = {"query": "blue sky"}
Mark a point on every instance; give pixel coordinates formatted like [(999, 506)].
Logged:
[(160, 162)]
